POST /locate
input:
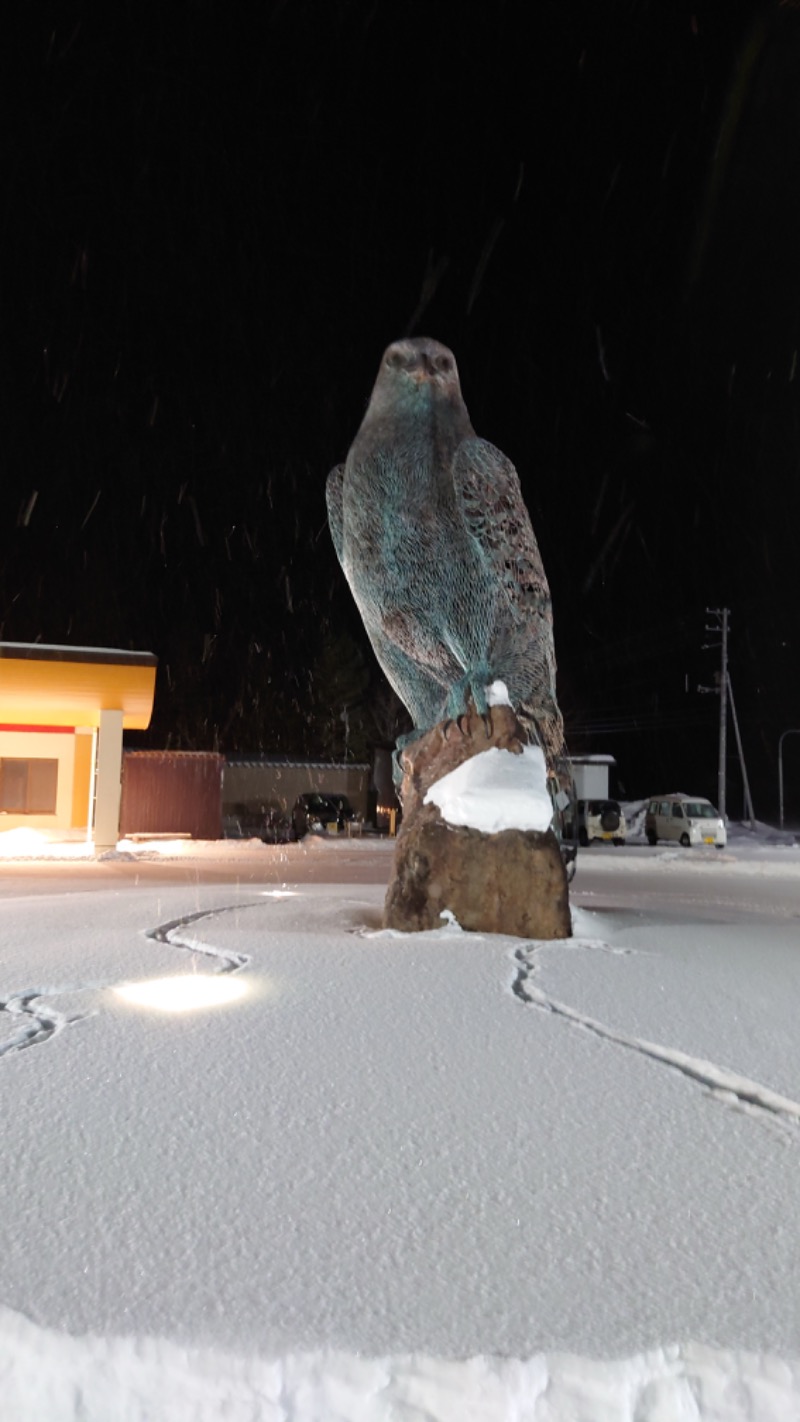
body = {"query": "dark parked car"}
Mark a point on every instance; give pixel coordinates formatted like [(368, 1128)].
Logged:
[(322, 812)]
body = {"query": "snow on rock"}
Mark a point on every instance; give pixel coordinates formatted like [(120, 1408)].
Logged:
[(496, 791), (497, 694)]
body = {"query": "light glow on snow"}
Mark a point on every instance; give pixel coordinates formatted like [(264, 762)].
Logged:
[(186, 993), (26, 843), (21, 841), (162, 846), (496, 791)]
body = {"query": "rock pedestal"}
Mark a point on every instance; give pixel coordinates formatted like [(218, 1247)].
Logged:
[(511, 882)]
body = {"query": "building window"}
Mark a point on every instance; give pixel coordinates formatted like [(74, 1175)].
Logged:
[(28, 787)]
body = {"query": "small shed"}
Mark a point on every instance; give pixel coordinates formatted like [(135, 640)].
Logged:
[(591, 774), (62, 714)]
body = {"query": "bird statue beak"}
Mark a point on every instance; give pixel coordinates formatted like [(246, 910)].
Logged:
[(425, 370)]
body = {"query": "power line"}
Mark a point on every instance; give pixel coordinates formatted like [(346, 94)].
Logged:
[(633, 721)]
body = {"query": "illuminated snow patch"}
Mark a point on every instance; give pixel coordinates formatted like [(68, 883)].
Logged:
[(21, 841), (170, 848), (279, 893), (26, 843), (188, 993), (496, 791)]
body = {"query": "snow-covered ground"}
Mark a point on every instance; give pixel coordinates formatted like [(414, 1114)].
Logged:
[(407, 1177)]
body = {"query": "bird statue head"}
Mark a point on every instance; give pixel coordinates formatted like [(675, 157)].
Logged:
[(415, 372)]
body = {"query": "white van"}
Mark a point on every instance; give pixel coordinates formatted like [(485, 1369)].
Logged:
[(685, 818)]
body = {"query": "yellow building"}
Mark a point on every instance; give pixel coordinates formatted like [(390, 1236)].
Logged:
[(62, 714)]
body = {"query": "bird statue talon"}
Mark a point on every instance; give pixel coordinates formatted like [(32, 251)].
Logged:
[(462, 724), (449, 723)]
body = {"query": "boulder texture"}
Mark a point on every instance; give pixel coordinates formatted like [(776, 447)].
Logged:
[(511, 882)]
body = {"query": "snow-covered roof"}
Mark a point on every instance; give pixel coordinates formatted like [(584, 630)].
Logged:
[(593, 760), (49, 652), (290, 763)]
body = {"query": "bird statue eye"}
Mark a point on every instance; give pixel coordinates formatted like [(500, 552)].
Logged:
[(397, 359), (443, 364)]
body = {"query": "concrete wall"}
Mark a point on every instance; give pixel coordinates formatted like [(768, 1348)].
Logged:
[(259, 784)]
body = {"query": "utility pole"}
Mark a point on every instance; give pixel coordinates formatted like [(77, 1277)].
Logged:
[(722, 614), (748, 802)]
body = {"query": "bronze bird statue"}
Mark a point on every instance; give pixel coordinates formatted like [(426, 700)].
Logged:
[(436, 543)]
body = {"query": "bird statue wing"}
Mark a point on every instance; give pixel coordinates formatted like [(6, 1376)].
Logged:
[(334, 497), (486, 487)]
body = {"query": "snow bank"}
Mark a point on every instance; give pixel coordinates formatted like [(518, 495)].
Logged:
[(52, 1376)]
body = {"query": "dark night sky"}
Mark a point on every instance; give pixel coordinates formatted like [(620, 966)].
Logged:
[(214, 222)]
